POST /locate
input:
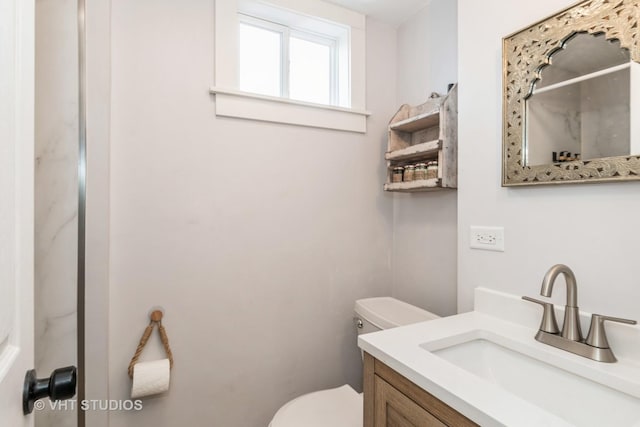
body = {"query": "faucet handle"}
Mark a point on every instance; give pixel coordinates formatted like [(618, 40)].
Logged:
[(549, 323), (597, 336)]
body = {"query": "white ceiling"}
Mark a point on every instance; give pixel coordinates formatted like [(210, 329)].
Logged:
[(393, 12)]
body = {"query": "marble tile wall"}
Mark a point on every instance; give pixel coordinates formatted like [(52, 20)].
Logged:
[(606, 119), (56, 195), (591, 118), (554, 123)]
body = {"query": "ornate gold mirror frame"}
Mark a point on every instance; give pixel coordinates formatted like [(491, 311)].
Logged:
[(526, 53)]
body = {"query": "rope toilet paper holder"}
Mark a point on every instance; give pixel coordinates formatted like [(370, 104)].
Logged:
[(155, 318)]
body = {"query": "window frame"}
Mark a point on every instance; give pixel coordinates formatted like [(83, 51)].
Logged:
[(338, 76), (232, 102)]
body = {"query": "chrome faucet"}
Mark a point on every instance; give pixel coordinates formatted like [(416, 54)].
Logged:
[(571, 326), (596, 346)]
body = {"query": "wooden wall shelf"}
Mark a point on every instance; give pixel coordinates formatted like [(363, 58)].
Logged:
[(418, 151), (423, 133), (418, 122), (413, 186)]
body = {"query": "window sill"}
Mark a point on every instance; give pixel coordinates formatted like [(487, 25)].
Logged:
[(234, 103)]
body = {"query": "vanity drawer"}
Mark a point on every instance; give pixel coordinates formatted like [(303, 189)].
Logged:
[(391, 400), (394, 409)]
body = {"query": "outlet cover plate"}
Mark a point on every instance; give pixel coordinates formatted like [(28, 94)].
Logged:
[(486, 238)]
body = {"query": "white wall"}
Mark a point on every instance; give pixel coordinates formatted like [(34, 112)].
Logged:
[(424, 224), (427, 55), (591, 228), (256, 238)]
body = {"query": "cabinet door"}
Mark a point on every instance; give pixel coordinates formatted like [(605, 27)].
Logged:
[(394, 409)]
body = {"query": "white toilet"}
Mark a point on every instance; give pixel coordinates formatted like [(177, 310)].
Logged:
[(342, 406)]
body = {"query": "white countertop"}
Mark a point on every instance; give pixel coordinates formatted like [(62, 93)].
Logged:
[(404, 350)]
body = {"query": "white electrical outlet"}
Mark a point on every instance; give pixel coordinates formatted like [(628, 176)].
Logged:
[(487, 238)]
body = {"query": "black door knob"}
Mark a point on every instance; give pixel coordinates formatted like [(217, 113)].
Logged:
[(61, 385)]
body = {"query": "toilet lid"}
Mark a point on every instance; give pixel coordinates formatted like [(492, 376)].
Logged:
[(336, 407)]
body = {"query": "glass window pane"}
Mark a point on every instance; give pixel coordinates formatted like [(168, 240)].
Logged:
[(260, 51), (309, 71)]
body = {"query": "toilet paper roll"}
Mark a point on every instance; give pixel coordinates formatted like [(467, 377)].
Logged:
[(150, 378)]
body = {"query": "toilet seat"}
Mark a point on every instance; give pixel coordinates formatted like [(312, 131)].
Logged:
[(336, 407)]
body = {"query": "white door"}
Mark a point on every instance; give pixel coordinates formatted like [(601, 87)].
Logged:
[(16, 205)]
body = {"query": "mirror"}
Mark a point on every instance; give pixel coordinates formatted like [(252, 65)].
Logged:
[(579, 108), (567, 97)]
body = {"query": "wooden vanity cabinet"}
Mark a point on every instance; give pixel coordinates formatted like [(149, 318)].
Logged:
[(391, 400)]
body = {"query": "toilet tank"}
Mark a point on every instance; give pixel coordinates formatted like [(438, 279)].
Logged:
[(375, 314)]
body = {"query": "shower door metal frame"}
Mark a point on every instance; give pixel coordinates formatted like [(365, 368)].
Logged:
[(82, 198)]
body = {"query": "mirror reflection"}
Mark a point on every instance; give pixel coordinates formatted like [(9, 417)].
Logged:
[(579, 107)]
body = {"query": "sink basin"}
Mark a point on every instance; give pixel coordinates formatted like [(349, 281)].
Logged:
[(573, 398), (487, 365)]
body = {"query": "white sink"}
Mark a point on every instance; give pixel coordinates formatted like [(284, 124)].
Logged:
[(574, 398), (487, 365)]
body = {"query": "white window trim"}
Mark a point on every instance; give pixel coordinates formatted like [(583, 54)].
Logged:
[(230, 102)]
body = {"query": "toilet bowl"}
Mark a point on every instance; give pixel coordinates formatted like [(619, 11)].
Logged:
[(342, 406), (336, 407)]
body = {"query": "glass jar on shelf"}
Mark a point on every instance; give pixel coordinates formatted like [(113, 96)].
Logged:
[(409, 172), (396, 174), (420, 172), (432, 169)]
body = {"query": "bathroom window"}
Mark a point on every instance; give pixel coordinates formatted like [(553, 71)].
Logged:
[(277, 59), (296, 62)]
